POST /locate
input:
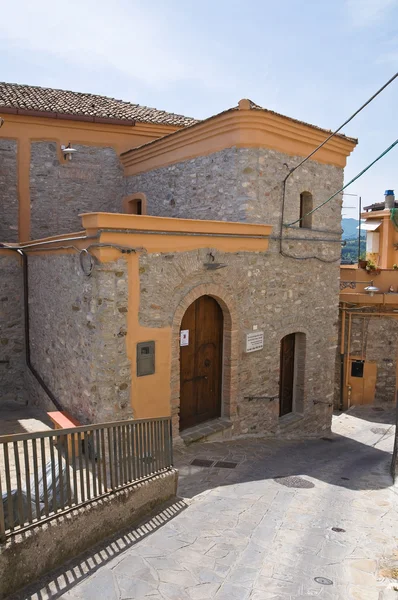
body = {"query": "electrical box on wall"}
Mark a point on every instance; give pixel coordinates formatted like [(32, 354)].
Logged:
[(357, 368), (145, 358)]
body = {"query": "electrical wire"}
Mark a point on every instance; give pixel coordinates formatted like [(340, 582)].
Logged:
[(345, 186), (312, 154)]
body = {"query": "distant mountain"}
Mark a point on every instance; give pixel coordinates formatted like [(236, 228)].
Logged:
[(350, 230)]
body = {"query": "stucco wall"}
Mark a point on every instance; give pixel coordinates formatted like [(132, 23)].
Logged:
[(78, 329), (8, 191), (239, 184), (278, 296), (61, 189), (12, 359)]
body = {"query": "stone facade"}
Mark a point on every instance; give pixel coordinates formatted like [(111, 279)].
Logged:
[(12, 357), (263, 290), (60, 189), (8, 191), (79, 324), (240, 184), (78, 336), (278, 294)]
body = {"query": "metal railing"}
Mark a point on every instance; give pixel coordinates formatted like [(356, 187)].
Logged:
[(48, 473)]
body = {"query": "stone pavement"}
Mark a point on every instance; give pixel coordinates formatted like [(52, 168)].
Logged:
[(291, 521)]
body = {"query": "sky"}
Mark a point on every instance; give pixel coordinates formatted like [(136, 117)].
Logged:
[(316, 61)]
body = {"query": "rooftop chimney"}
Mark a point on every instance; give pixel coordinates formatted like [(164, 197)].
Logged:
[(389, 199)]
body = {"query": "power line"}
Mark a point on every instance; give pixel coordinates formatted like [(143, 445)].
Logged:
[(312, 154), (345, 186)]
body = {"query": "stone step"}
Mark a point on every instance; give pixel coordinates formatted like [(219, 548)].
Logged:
[(215, 430)]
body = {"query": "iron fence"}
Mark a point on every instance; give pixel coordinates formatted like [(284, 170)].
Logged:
[(47, 473)]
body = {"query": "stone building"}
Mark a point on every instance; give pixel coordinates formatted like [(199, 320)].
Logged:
[(182, 292)]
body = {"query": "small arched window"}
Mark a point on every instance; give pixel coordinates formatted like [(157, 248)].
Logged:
[(135, 204), (305, 207)]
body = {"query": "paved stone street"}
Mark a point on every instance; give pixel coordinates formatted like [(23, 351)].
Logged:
[(288, 513)]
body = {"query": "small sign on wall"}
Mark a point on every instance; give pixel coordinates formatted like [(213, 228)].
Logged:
[(184, 337), (254, 341)]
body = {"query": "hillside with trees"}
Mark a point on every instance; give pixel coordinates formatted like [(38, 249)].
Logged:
[(349, 252)]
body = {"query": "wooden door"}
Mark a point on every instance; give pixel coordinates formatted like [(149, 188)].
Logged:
[(286, 383), (201, 363), (363, 386)]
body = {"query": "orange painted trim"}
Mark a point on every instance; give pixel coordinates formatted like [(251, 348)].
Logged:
[(128, 200), (376, 214), (155, 234), (93, 221), (63, 419), (16, 123), (241, 129), (23, 187), (146, 401), (26, 129)]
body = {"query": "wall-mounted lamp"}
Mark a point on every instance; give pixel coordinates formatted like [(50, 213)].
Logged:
[(67, 151), (212, 265), (371, 290)]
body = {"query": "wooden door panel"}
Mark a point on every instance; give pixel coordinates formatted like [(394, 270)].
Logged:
[(207, 380), (362, 388), (201, 363), (187, 370), (286, 375)]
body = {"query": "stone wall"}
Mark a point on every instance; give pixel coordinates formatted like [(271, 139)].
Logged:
[(78, 329), (12, 357), (8, 191), (277, 293), (68, 535), (376, 339), (61, 189), (239, 184), (278, 296)]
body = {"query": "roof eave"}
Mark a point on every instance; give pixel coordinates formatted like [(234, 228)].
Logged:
[(65, 116)]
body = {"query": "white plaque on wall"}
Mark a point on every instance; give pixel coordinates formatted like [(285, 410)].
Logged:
[(184, 337), (254, 341)]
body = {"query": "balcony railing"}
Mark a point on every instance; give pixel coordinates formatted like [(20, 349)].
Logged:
[(48, 473)]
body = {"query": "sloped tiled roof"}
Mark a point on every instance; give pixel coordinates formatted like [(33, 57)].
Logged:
[(24, 98)]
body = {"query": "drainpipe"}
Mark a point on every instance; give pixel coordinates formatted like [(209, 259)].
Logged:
[(27, 332), (342, 356)]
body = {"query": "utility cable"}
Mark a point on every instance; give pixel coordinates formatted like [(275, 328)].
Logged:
[(345, 186), (312, 154)]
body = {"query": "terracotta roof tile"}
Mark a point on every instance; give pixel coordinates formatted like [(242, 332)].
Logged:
[(33, 98)]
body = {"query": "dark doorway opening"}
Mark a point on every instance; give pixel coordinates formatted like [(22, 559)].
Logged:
[(286, 382)]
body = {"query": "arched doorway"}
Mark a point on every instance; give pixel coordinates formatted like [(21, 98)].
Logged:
[(201, 357)]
